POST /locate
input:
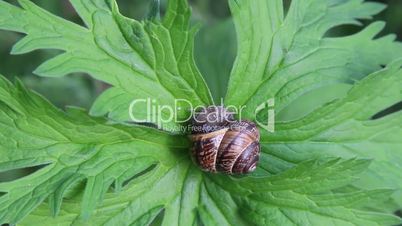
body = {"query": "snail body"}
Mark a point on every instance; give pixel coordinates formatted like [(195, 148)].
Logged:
[(222, 144)]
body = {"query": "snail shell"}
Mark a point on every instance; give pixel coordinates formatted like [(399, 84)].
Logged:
[(225, 145)]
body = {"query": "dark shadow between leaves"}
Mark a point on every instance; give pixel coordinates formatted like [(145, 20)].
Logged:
[(149, 169), (388, 111), (399, 214), (152, 217), (19, 173), (286, 6), (158, 218), (343, 31)]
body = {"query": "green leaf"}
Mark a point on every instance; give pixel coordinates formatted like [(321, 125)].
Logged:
[(293, 198), (72, 147), (55, 89), (324, 98), (345, 128), (151, 172), (141, 60), (290, 56)]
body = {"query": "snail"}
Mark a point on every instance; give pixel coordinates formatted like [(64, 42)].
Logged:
[(222, 144)]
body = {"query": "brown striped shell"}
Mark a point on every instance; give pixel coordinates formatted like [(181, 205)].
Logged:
[(226, 146)]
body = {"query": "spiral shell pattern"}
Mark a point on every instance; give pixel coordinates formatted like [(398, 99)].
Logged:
[(232, 148)]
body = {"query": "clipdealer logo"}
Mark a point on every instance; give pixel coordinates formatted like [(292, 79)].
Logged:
[(164, 116), (269, 107)]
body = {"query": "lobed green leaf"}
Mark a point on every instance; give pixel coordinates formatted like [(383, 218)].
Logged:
[(141, 60)]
